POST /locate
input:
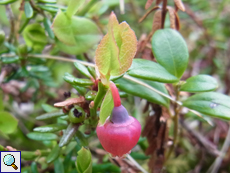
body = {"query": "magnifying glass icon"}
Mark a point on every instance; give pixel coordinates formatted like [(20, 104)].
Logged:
[(9, 160)]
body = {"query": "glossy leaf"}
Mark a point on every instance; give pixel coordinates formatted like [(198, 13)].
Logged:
[(77, 34), (73, 7), (199, 83), (150, 70), (170, 50), (68, 134), (83, 82), (212, 104), (117, 48), (141, 91), (82, 69), (50, 128), (84, 161), (50, 115), (8, 123), (28, 9), (42, 136), (53, 154), (90, 95), (106, 107)]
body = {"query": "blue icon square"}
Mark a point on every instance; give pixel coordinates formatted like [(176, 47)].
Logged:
[(10, 161)]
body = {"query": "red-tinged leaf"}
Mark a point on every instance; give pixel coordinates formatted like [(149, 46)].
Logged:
[(172, 17), (157, 19), (148, 4), (70, 101), (177, 21), (116, 50), (179, 4)]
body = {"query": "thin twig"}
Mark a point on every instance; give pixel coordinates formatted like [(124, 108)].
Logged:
[(136, 164), (206, 144), (12, 23), (61, 59), (217, 163), (177, 109)]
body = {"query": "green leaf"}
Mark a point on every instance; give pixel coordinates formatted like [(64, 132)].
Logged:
[(106, 167), (42, 136), (73, 7), (77, 34), (28, 10), (83, 82), (58, 166), (50, 115), (116, 50), (80, 90), (92, 72), (139, 90), (8, 123), (2, 37), (150, 70), (53, 154), (210, 103), (47, 24), (47, 1), (34, 167), (35, 37), (170, 50), (48, 108), (68, 134), (50, 128), (199, 83), (9, 60), (106, 107), (82, 69), (84, 161), (81, 139), (90, 95), (5, 2), (52, 8)]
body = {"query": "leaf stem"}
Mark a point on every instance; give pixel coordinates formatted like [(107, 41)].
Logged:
[(93, 111)]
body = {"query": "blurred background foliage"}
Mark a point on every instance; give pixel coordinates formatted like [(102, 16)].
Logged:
[(31, 83)]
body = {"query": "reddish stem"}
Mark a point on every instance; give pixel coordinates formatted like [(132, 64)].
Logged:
[(115, 93)]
